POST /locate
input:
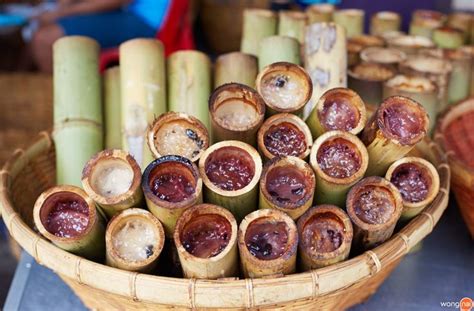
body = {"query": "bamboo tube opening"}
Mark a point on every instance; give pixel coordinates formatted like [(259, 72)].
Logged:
[(384, 56), (411, 84), (371, 72), (361, 41), (390, 35), (448, 37), (175, 133), (320, 12), (410, 44), (387, 15), (428, 15), (322, 7)]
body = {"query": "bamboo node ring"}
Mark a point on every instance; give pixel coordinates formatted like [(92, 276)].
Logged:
[(376, 260), (315, 281), (430, 218), (133, 286), (251, 299), (78, 271), (406, 241), (192, 293)]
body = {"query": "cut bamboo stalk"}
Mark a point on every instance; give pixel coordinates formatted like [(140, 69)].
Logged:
[(390, 35), (257, 24), (177, 133), (384, 21), (206, 239), (469, 50), (189, 84), (325, 59), (339, 160), (278, 49), (287, 184), (292, 24), (325, 237), (143, 91), (338, 109), (320, 12), (383, 56), (134, 241), (67, 217), (356, 44), (237, 111), (448, 38), (171, 184), (231, 171), (461, 21), (284, 134), (397, 126), (352, 20), (410, 44), (112, 179), (285, 88), (235, 67), (112, 103), (424, 22), (268, 243)]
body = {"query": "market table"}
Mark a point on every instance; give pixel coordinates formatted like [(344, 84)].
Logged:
[(441, 272)]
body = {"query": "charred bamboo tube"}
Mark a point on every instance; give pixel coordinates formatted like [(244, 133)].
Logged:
[(66, 216), (462, 21), (231, 171), (320, 12), (206, 240), (235, 67), (177, 133), (112, 179), (257, 24), (356, 44), (338, 109), (171, 184), (112, 103), (469, 50), (278, 49), (374, 206), (410, 44), (383, 56), (143, 91), (268, 242), (325, 59), (237, 111), (285, 88), (424, 22), (448, 38), (134, 240), (352, 20), (189, 84), (287, 184), (292, 24), (284, 134), (418, 183), (384, 21), (78, 132), (397, 126), (325, 237), (339, 160)]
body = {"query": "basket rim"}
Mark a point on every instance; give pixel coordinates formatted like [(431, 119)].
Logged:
[(234, 293)]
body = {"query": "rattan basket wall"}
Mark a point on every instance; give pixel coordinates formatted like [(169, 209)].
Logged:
[(31, 171)]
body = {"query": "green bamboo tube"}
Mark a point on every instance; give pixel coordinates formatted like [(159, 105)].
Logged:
[(287, 184), (236, 189), (410, 45), (338, 109), (469, 50), (278, 49), (112, 103), (462, 21), (112, 179), (339, 160), (325, 237), (78, 130), (257, 24), (143, 91), (397, 126), (383, 56), (66, 216), (235, 67), (320, 12), (352, 20), (357, 43), (384, 21), (292, 24), (189, 84), (424, 22), (448, 38)]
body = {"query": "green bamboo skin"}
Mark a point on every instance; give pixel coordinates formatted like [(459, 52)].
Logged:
[(370, 87), (383, 22), (189, 84), (469, 50), (320, 12), (424, 22), (112, 105), (462, 21), (409, 44), (143, 92), (292, 24), (278, 49), (352, 20), (91, 243), (460, 79), (448, 38), (235, 67), (257, 25)]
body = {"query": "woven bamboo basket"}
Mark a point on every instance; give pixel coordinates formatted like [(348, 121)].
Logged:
[(455, 134), (30, 171)]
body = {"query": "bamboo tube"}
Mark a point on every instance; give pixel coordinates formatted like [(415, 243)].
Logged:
[(374, 206), (112, 103), (352, 20), (338, 109), (78, 132), (448, 38), (231, 171), (357, 43), (287, 184), (390, 35), (268, 241), (462, 21), (320, 12), (112, 179), (397, 126), (189, 83), (284, 134), (339, 160), (257, 24), (383, 56), (237, 111), (384, 21), (134, 240), (206, 240), (285, 88), (171, 184), (423, 22), (143, 91), (66, 216), (469, 50), (325, 237), (278, 49), (177, 133), (325, 59), (292, 24), (410, 44), (418, 183), (235, 67)]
